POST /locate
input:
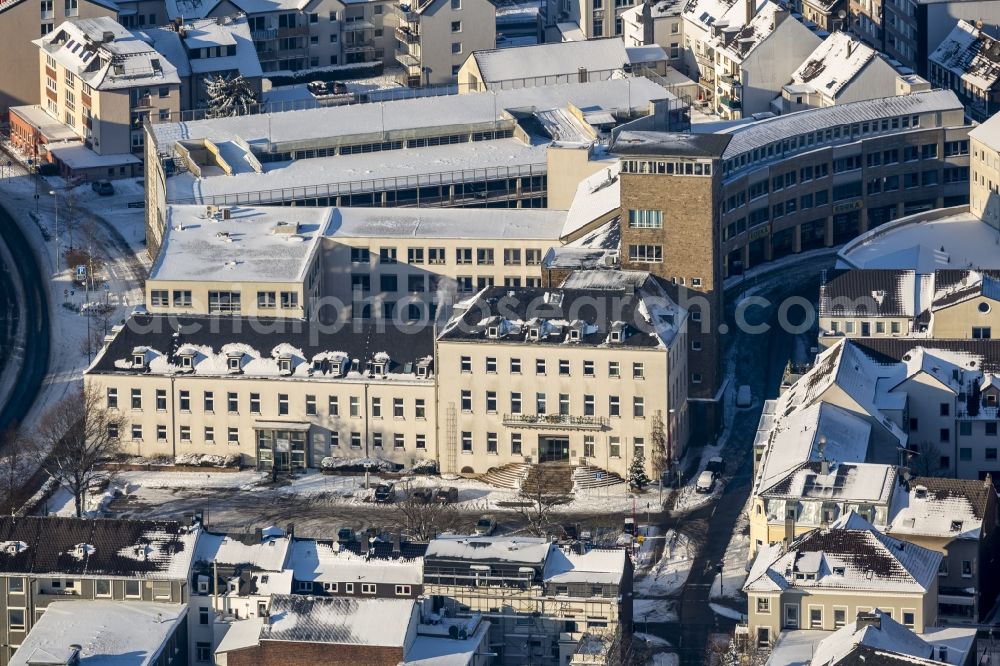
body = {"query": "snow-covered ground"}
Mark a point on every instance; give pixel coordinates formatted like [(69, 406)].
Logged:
[(667, 577), (653, 610), (734, 572), (726, 611)]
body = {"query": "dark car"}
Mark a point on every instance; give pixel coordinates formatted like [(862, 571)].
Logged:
[(346, 535), (446, 495), (422, 495), (103, 188), (337, 88), (716, 466), (385, 493)]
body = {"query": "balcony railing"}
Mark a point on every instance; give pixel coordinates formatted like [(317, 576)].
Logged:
[(294, 31), (407, 36), (264, 34), (555, 421), (729, 102), (143, 102), (407, 60)]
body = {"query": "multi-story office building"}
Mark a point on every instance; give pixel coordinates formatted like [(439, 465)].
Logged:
[(966, 62), (21, 21), (435, 37), (539, 375), (540, 600), (302, 35), (474, 150), (100, 82)]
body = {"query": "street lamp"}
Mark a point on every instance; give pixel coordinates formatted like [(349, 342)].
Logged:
[(55, 197)]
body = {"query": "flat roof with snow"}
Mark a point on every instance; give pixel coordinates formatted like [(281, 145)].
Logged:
[(528, 224), (110, 633), (265, 244), (339, 620), (552, 59), (314, 561)]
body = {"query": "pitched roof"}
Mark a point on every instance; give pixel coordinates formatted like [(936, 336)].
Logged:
[(844, 482), (941, 507), (970, 54), (850, 555), (834, 63), (541, 60), (339, 620), (980, 355), (126, 548), (868, 292), (876, 631), (952, 287)]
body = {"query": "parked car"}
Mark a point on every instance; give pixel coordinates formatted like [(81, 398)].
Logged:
[(337, 87), (103, 188), (385, 493), (346, 535), (486, 526), (716, 466), (447, 495), (629, 526), (422, 495), (705, 482), (743, 396)]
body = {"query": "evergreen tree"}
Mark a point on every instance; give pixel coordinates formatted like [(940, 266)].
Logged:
[(229, 96), (637, 472), (972, 402)]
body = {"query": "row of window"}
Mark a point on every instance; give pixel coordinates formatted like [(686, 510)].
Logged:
[(564, 367), (418, 284), (436, 256), (398, 407), (354, 439), (308, 587), (790, 616), (516, 443), (541, 404), (229, 300)]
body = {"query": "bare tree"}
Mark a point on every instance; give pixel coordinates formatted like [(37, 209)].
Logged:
[(658, 452), (13, 469), (423, 521), (923, 458), (74, 437), (536, 507)]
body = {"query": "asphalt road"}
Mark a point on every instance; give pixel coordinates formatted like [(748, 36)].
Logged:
[(35, 311)]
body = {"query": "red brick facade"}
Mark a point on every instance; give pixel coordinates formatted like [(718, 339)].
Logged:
[(282, 653)]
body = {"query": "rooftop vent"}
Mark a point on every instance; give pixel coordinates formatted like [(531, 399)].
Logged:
[(920, 492)]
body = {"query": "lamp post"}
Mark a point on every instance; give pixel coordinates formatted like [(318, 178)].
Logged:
[(55, 198)]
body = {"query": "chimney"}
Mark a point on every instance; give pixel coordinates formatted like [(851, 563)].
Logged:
[(258, 535), (824, 467), (108, 37), (850, 46), (868, 620), (581, 75), (290, 530), (397, 545), (750, 7)]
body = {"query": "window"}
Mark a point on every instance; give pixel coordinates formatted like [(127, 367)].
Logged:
[(839, 617), (397, 408), (763, 605), (484, 257), (966, 568), (645, 253), (112, 398), (465, 363), (419, 409), (15, 619), (645, 219), (614, 369), (463, 256), (909, 618), (533, 257), (515, 403), (614, 405), (456, 48), (289, 299), (540, 403), (815, 618), (588, 405), (233, 436), (564, 367), (182, 298), (588, 368), (209, 435), (311, 405), (466, 441), (515, 443), (136, 398), (637, 371), (982, 332), (945, 435), (515, 366), (491, 443), (367, 588), (203, 614), (267, 299), (102, 588), (133, 589), (376, 408), (539, 366), (638, 408), (466, 400), (360, 255), (403, 590), (456, 26), (203, 651), (355, 407), (491, 402), (511, 257), (185, 433)]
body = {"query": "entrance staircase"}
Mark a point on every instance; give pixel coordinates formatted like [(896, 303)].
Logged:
[(551, 477), (506, 476), (586, 477)]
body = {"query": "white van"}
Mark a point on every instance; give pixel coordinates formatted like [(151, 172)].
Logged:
[(705, 482)]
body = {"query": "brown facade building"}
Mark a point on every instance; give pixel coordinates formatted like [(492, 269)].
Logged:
[(670, 227)]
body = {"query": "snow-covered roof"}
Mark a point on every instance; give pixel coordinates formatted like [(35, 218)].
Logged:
[(708, 13), (262, 244), (527, 550), (319, 562), (553, 59), (843, 482), (313, 351), (268, 554), (849, 555), (738, 40), (874, 630), (596, 196), (241, 634), (383, 119), (780, 128), (109, 633), (443, 650), (195, 9), (106, 56), (503, 223), (79, 156), (961, 286), (339, 620), (363, 172), (597, 566), (926, 243), (970, 54), (941, 507), (834, 63)]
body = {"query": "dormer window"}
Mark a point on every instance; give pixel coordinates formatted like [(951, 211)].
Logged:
[(187, 361), (534, 332), (838, 571), (285, 365), (574, 335), (956, 526), (138, 360), (234, 363), (378, 369), (616, 336), (493, 332)]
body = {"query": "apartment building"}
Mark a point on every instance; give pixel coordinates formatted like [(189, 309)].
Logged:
[(657, 23), (298, 35), (828, 15), (21, 21), (820, 580), (280, 393), (435, 37), (324, 568), (913, 29), (842, 69), (539, 600), (540, 375), (63, 561), (957, 518), (967, 62), (594, 19), (101, 82), (206, 48)]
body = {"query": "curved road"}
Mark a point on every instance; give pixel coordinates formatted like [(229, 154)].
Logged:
[(34, 310)]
